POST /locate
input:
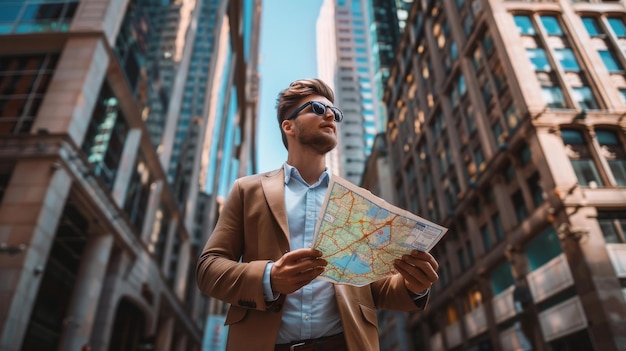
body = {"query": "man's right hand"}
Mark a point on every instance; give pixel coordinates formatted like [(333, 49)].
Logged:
[(296, 269)]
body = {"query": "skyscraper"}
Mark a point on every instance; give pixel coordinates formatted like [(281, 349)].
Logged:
[(97, 99), (352, 72), (506, 125)]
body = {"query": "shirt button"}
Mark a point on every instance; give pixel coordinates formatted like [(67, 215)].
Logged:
[(306, 317)]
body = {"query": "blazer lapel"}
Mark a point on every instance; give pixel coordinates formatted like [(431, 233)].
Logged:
[(274, 189)]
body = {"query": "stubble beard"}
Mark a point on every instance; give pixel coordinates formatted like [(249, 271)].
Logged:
[(322, 143)]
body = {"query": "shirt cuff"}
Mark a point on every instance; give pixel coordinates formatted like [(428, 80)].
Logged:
[(267, 284), (418, 296)]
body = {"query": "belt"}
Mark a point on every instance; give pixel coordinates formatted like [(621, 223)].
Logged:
[(327, 343)]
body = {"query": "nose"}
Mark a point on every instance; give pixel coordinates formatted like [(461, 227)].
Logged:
[(329, 114)]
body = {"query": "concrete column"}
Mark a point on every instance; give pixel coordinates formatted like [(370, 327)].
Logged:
[(82, 310), (153, 205), (164, 334), (126, 168), (181, 282), (100, 15), (29, 215), (74, 89), (169, 244)]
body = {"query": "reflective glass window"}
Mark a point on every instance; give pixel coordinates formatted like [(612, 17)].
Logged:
[(567, 59), (524, 25), (551, 25), (617, 24), (610, 61), (592, 26)]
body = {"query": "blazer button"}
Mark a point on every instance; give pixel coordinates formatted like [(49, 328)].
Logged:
[(277, 307)]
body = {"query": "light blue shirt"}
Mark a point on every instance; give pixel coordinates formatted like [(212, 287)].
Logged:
[(310, 312)]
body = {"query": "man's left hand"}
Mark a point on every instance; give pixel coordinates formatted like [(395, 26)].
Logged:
[(419, 270)]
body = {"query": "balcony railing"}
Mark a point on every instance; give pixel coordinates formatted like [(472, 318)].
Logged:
[(563, 319), (453, 335), (503, 308), (511, 339), (550, 278), (436, 342), (476, 321)]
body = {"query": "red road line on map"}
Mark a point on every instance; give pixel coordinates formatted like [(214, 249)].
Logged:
[(365, 235)]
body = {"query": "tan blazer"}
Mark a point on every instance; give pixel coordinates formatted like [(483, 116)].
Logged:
[(252, 230)]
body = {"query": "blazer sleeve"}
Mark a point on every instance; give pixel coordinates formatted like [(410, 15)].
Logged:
[(220, 272), (390, 293)]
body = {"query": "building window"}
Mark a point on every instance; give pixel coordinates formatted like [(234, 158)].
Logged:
[(158, 237), (172, 268), (551, 25), (479, 159), (496, 128), (524, 154), (486, 236), (501, 278), (497, 226), (509, 172), (613, 226), (138, 194), (488, 44), (584, 97), (473, 299), (580, 158), (499, 78), (543, 248), (106, 135), (592, 26), (534, 184), (462, 259), (519, 205), (511, 118), (613, 151), (37, 16), (610, 61), (617, 25), (524, 25), (6, 169), (567, 59), (553, 95), (23, 83), (539, 59)]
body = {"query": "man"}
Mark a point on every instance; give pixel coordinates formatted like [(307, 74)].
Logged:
[(259, 260)]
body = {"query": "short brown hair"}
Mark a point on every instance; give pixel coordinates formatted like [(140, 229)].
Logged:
[(289, 98)]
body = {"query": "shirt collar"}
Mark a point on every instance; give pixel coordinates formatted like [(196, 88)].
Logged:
[(291, 171)]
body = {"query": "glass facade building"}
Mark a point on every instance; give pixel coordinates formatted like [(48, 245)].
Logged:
[(100, 234), (506, 125)]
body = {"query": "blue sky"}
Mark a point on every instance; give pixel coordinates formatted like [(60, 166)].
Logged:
[(287, 53)]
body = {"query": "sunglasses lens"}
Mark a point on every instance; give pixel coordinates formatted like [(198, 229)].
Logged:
[(318, 108), (337, 113)]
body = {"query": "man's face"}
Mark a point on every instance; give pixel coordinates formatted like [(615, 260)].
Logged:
[(315, 131)]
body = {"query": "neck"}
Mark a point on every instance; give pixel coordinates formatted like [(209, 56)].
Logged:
[(309, 163)]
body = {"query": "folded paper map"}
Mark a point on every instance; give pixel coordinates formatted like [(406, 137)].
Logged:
[(361, 235)]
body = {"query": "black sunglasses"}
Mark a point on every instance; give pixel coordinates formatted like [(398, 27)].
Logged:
[(319, 109)]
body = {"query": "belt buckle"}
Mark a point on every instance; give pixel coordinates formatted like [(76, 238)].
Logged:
[(295, 346)]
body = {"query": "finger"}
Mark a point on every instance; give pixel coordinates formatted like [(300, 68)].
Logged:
[(415, 279), (422, 259), (301, 254), (425, 256), (415, 285), (418, 269), (309, 265)]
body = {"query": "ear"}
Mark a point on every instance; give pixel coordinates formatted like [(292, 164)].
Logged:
[(288, 127)]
